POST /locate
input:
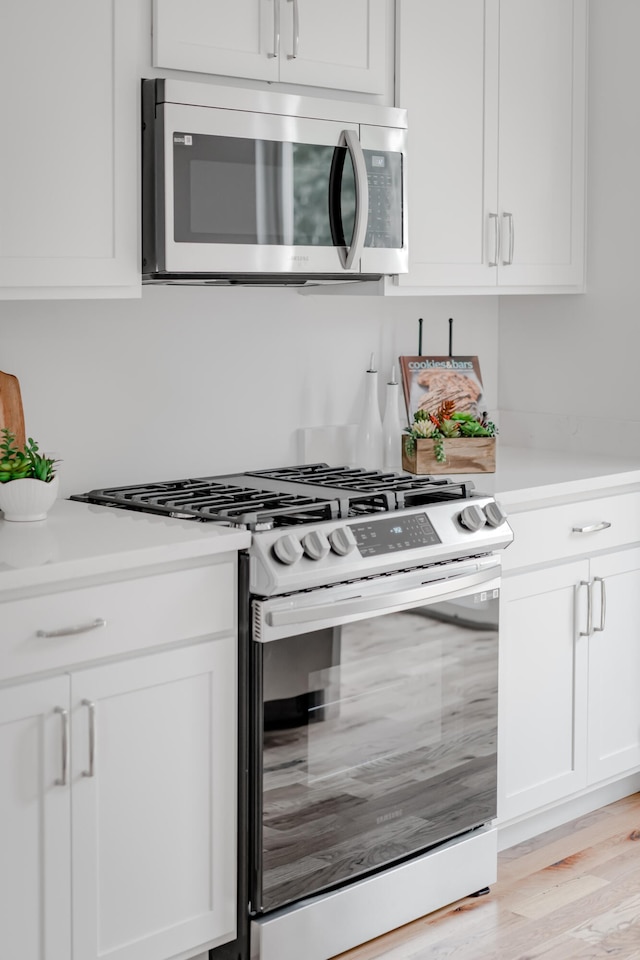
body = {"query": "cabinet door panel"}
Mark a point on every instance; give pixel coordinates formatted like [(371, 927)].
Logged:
[(236, 39), (448, 82), (68, 203), (542, 139), (340, 45), (614, 668), (541, 731), (35, 863), (158, 874)]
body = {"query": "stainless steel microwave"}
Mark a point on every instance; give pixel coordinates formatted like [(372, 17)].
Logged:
[(253, 186)]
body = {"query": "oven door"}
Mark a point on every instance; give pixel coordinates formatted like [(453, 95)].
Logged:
[(254, 193), (374, 727)]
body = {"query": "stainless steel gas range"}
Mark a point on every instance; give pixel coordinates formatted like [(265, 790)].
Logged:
[(368, 664)]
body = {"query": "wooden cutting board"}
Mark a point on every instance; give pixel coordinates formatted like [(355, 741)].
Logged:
[(11, 412)]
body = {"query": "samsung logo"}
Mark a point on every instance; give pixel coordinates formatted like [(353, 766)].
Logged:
[(384, 817), (299, 259), (185, 138)]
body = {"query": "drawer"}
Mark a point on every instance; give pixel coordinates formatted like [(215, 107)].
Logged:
[(138, 614), (572, 530)]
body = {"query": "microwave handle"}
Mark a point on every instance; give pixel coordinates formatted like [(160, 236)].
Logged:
[(349, 138)]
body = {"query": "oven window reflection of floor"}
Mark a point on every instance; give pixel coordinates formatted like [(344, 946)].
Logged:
[(409, 703)]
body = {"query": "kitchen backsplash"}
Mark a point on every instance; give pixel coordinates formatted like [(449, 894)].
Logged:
[(195, 381)]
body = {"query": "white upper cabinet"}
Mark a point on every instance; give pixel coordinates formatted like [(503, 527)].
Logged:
[(496, 97), (68, 161), (331, 44)]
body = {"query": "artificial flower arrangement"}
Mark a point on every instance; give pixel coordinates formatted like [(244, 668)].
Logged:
[(449, 424)]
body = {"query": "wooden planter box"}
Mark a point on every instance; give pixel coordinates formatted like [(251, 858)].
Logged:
[(462, 455)]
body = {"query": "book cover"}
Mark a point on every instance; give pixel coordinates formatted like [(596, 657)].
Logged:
[(428, 381)]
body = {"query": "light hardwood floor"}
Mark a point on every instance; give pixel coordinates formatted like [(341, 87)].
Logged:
[(570, 894)]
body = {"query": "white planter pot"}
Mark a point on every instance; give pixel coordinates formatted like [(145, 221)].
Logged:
[(27, 499)]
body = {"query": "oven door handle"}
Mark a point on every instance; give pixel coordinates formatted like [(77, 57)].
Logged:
[(379, 603)]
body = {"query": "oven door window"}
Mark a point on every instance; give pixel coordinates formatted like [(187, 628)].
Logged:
[(378, 741), (241, 190)]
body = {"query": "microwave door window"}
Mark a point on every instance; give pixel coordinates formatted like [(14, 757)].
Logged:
[(235, 190), (214, 189), (314, 195), (273, 176)]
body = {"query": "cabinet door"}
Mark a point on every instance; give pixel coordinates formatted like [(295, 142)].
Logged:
[(68, 194), (448, 81), (154, 816), (614, 667), (542, 141), (543, 676), (35, 863), (330, 44), (235, 38), (334, 44)]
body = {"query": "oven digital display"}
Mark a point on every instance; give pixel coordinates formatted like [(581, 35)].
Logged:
[(393, 534)]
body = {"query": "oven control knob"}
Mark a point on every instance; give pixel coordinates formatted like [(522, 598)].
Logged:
[(342, 541), (315, 545), (472, 518), (494, 514), (287, 549)]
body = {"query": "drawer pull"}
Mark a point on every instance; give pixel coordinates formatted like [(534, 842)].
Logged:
[(91, 772), (592, 527), (72, 631), (62, 780)]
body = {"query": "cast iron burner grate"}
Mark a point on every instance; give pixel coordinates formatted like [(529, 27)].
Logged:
[(285, 496), (205, 498), (408, 490)]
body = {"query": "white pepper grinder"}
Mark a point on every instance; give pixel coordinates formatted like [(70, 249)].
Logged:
[(392, 427), (369, 436)]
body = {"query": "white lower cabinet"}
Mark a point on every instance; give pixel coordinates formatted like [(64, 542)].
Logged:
[(543, 690), (118, 808), (614, 667), (569, 672), (35, 824)]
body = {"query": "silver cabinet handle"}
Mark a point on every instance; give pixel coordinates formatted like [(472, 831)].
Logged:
[(589, 630), (349, 138), (496, 240), (509, 217), (64, 715), (91, 772), (72, 631), (603, 604), (592, 527), (296, 30), (276, 30)]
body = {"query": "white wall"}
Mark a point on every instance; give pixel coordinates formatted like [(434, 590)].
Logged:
[(568, 365), (195, 381)]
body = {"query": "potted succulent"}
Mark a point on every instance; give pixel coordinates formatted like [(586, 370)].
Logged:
[(28, 481), (449, 441)]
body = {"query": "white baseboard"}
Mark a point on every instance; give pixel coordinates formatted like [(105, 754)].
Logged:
[(524, 828)]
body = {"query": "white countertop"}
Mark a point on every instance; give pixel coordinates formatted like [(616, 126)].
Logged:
[(80, 540), (524, 476)]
